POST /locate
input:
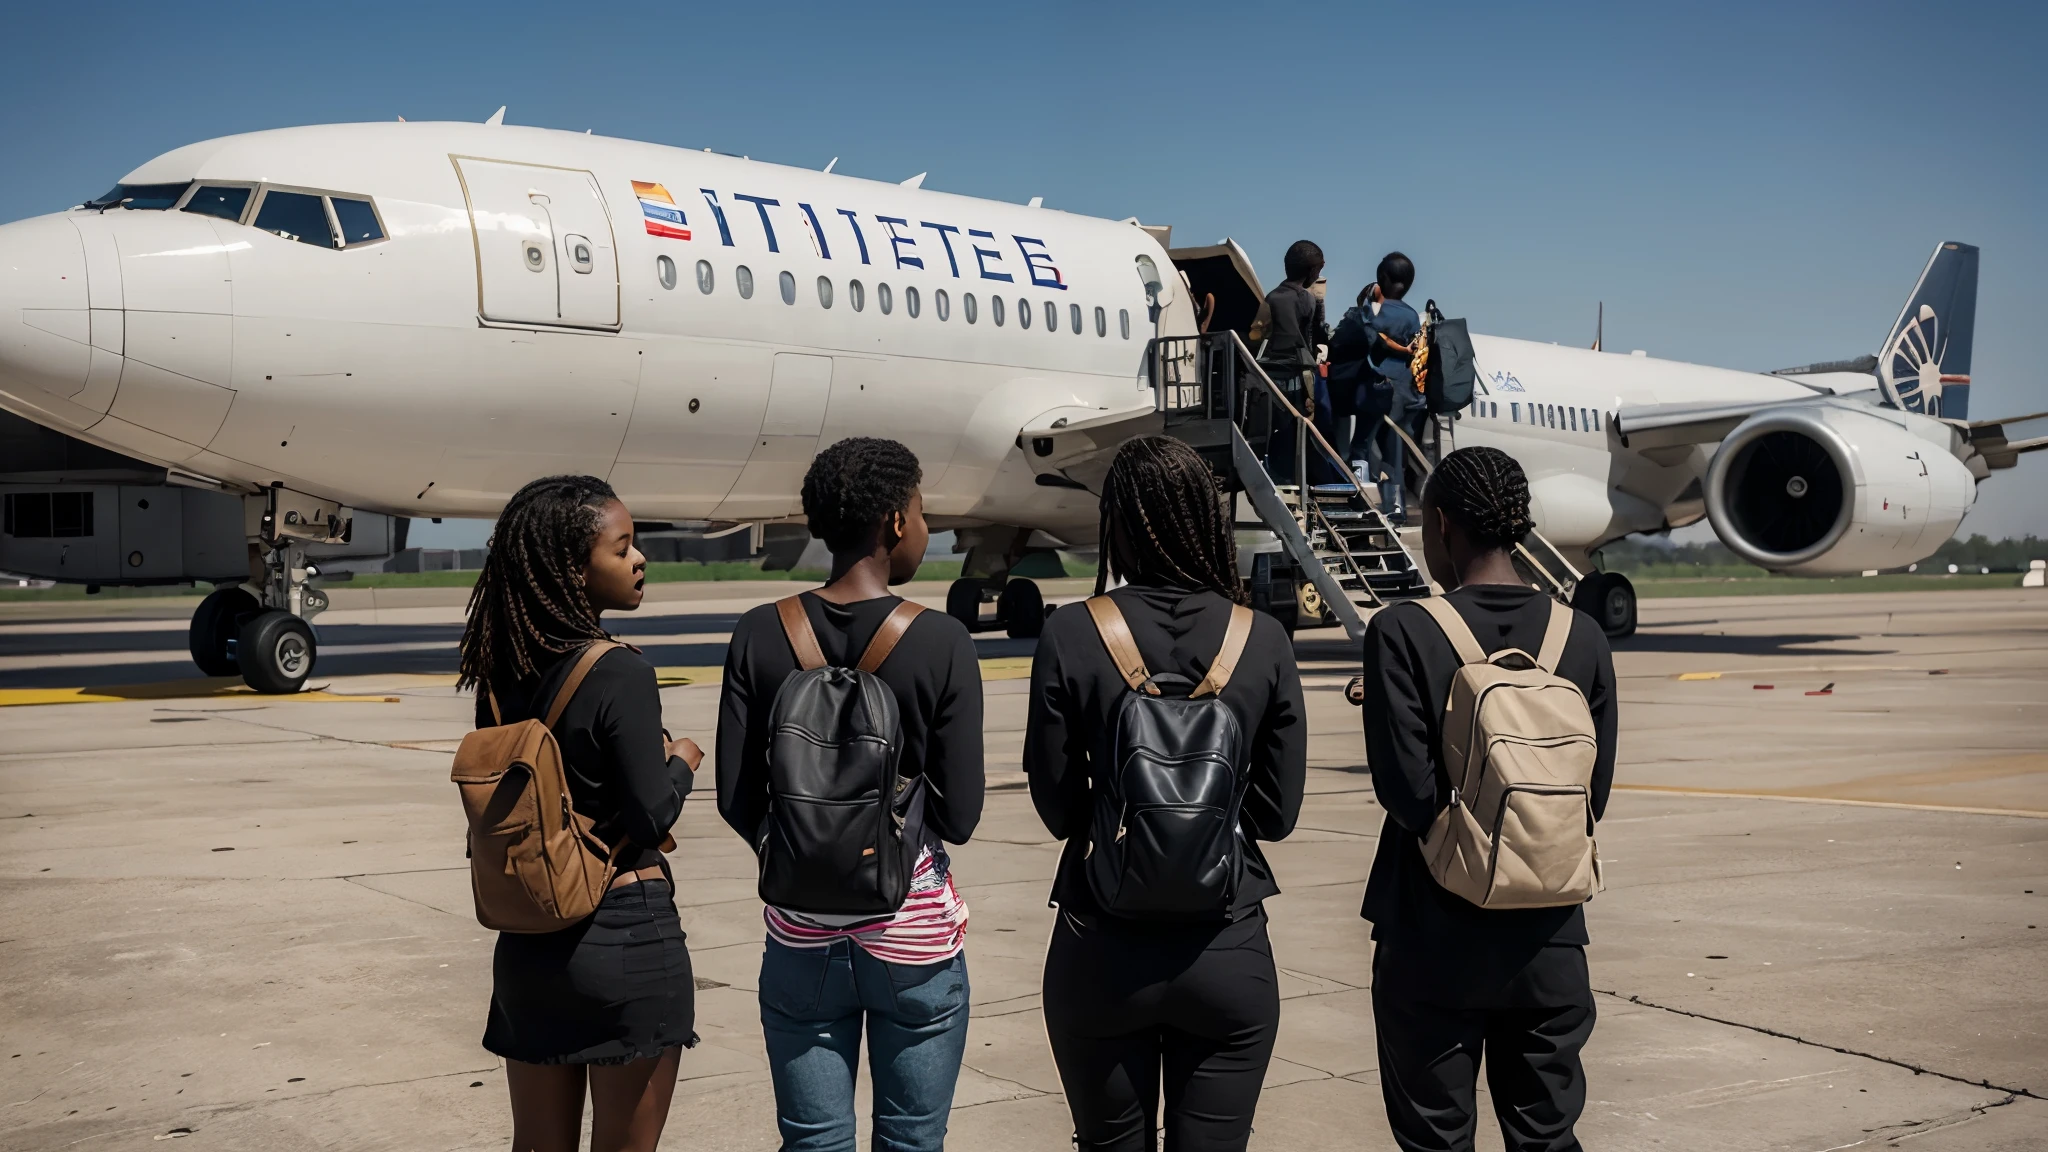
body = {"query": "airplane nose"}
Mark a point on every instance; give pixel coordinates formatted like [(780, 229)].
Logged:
[(45, 317)]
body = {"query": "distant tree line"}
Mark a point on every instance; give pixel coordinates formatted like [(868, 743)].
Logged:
[(1639, 553)]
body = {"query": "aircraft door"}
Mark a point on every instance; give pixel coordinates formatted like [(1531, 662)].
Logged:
[(544, 247), (770, 484)]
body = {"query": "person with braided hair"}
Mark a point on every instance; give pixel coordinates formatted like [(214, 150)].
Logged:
[(1452, 980), (1137, 1009), (607, 1004)]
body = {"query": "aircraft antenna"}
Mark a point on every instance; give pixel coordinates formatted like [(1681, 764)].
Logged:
[(916, 181), (830, 163), (1035, 202), (497, 117), (1599, 323)]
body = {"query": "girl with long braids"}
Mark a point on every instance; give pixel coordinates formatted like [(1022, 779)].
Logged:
[(606, 1005), (1140, 1008), (1451, 979)]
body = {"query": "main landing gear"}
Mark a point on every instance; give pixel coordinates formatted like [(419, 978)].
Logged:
[(1020, 606), (1610, 600), (260, 630)]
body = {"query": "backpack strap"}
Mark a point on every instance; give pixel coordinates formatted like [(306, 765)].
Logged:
[(1554, 635), (497, 717), (592, 653), (803, 640), (1123, 647), (1459, 633), (891, 631), (1234, 637)]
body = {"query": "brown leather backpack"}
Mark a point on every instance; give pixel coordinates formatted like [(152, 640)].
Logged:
[(535, 865)]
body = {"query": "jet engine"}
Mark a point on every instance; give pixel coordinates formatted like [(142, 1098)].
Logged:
[(1828, 490)]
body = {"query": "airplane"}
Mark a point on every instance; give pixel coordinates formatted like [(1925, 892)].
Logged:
[(265, 350)]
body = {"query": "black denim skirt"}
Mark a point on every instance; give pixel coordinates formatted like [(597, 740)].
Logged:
[(615, 988)]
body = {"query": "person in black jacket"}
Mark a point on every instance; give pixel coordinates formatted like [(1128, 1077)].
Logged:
[(1451, 979), (1294, 328), (903, 977), (1137, 1007), (609, 1002)]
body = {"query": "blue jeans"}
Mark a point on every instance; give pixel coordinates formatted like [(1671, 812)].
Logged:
[(813, 1003)]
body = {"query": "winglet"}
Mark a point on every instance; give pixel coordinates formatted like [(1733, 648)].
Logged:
[(497, 117), (916, 181)]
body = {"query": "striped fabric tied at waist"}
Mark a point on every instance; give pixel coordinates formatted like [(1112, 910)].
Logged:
[(931, 927)]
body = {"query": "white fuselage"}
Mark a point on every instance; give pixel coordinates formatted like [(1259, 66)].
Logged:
[(531, 309)]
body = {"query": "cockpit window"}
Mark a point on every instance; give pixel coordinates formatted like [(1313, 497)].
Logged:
[(295, 216), (226, 203), (140, 197), (358, 220)]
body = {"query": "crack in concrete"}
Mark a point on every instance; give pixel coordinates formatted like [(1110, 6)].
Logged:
[(1922, 1127), (1915, 1069)]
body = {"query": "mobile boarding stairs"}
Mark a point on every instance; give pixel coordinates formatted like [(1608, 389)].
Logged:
[(1339, 559)]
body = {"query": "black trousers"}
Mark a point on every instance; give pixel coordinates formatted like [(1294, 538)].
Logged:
[(1133, 1009), (1530, 1032)]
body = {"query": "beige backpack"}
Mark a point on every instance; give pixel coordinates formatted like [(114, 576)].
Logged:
[(1519, 745), (534, 863)]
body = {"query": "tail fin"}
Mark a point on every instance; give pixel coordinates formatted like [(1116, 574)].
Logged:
[(1924, 364)]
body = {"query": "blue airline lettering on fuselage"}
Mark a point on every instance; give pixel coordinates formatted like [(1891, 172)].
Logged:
[(1038, 261)]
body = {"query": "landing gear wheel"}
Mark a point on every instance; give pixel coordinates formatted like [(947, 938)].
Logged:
[(217, 626), (963, 602), (1021, 608), (1610, 600), (276, 653)]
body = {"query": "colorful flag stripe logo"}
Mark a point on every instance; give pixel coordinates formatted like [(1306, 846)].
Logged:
[(659, 212)]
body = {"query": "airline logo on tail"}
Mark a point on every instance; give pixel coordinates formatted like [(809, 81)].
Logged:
[(659, 211), (1924, 365)]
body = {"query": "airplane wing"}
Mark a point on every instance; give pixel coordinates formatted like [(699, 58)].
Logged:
[(1644, 426), (1999, 450)]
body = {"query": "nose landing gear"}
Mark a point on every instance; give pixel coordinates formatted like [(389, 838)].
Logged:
[(261, 629), (1020, 606)]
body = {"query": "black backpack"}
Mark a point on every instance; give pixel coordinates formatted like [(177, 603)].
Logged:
[(1453, 365), (1164, 841), (833, 839)]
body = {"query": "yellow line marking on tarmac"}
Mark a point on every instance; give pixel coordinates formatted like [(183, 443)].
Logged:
[(1699, 675), (231, 687), (1732, 794), (219, 687)]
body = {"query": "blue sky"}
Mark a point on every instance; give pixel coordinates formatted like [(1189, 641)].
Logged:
[(1747, 185)]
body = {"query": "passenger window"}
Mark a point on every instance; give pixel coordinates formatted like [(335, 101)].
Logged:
[(884, 299), (665, 271), (788, 284), (995, 310), (704, 278), (824, 292), (942, 304), (1123, 320), (357, 219), (1052, 316), (856, 295), (225, 203), (1574, 415), (743, 279), (1101, 322), (911, 302), (295, 216), (1596, 419), (967, 307), (1023, 313)]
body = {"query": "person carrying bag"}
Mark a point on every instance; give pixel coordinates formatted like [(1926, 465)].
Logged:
[(1166, 738)]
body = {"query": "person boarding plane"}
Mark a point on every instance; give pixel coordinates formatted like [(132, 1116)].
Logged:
[(262, 349)]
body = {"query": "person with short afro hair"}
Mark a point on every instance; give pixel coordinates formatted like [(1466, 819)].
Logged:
[(901, 979), (855, 485)]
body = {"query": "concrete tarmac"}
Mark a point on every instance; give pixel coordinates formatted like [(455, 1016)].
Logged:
[(244, 922)]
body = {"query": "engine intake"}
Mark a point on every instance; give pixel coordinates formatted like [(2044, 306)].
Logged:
[(1834, 490)]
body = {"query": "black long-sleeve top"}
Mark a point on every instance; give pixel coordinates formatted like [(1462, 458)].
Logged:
[(934, 674), (612, 748), (1294, 327), (1409, 663), (1075, 693)]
